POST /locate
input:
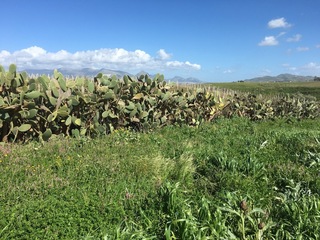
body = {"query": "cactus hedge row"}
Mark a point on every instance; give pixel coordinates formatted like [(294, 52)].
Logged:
[(37, 108), (40, 107), (295, 106)]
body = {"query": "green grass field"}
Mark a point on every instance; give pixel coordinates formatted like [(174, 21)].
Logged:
[(173, 183), (225, 179), (274, 88)]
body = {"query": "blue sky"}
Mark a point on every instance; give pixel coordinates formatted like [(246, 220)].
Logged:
[(212, 40)]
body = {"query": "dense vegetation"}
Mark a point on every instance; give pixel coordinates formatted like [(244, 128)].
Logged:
[(182, 182), (191, 164), (37, 108), (311, 89)]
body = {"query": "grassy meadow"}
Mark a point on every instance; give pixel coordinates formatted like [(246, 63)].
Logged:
[(225, 179), (274, 88)]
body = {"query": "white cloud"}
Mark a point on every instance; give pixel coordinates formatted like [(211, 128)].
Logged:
[(302, 49), (33, 51), (163, 55), (187, 64), (310, 69), (278, 23), (312, 66), (288, 67), (228, 71), (281, 34), (4, 55), (293, 69), (269, 41), (295, 38), (318, 46), (117, 58)]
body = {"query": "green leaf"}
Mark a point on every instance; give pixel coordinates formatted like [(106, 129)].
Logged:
[(135, 119), (2, 101), (126, 79), (131, 106), (143, 114), (62, 83), (83, 131), (112, 115), (2, 70), (53, 101), (47, 134), (55, 92), (70, 84), (259, 210), (138, 96), (32, 113), (230, 211), (109, 95), (43, 82), (24, 127), (148, 81), (68, 121), (113, 84), (12, 68), (15, 130), (99, 75), (163, 119), (32, 86), (78, 122), (75, 102), (32, 95), (105, 114), (133, 112), (52, 116), (75, 133), (165, 96), (91, 86), (160, 78), (79, 81), (63, 112)]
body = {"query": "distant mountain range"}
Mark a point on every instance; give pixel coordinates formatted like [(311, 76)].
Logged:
[(281, 78), (90, 72)]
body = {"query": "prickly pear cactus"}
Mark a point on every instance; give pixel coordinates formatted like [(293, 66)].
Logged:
[(37, 108)]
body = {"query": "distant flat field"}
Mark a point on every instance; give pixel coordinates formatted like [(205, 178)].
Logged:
[(274, 88)]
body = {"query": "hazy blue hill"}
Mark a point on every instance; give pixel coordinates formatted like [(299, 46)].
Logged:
[(91, 72), (281, 78), (179, 79), (142, 73), (39, 71)]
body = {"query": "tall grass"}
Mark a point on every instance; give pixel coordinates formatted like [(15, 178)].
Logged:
[(270, 89), (231, 179)]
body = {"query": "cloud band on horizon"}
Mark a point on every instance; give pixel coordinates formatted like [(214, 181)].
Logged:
[(118, 58)]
